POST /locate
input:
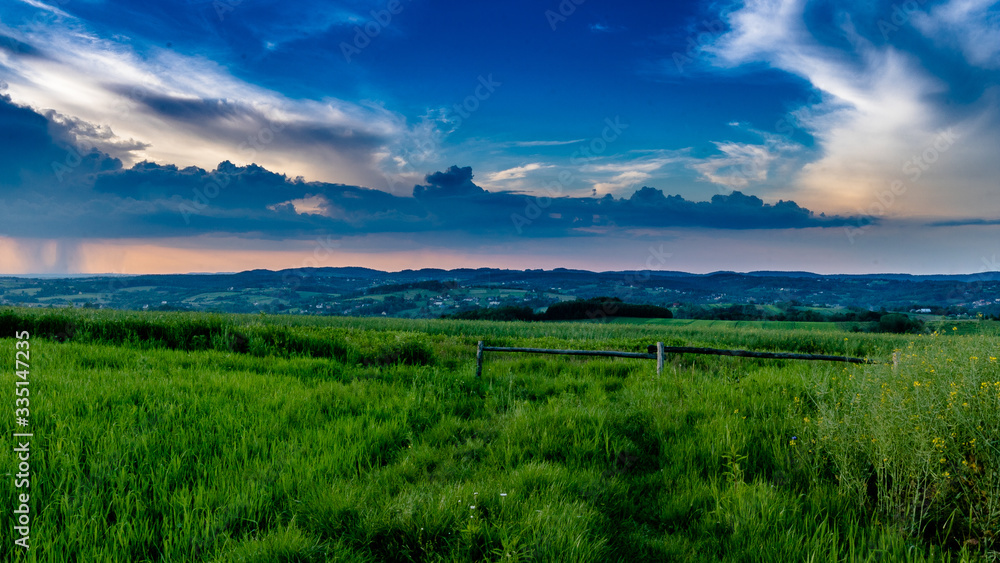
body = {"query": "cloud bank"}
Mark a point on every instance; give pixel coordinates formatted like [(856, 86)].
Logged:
[(892, 79), (80, 191), (187, 109)]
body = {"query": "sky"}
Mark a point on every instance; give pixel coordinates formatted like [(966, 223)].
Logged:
[(172, 136)]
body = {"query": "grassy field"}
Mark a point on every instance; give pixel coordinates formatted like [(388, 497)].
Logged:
[(699, 323), (196, 437)]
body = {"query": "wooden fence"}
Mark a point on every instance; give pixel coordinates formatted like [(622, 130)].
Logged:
[(658, 350)]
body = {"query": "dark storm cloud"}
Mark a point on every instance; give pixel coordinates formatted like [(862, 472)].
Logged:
[(91, 137), (966, 222), (243, 123), (37, 152), (230, 185), (93, 195), (13, 46), (26, 140), (194, 110), (650, 207), (454, 182), (453, 200)]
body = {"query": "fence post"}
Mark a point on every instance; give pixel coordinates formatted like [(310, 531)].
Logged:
[(479, 359), (659, 357)]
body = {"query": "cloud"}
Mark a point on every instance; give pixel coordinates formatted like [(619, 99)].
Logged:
[(281, 23), (966, 222), (15, 47), (739, 165), (545, 143), (99, 198), (649, 207), (43, 154), (88, 136), (46, 8), (605, 28), (971, 25), (168, 107), (455, 182), (885, 97), (625, 179), (252, 129), (615, 177), (309, 205), (517, 172)]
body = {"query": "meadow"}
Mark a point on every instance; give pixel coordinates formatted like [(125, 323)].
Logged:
[(704, 323), (197, 437)]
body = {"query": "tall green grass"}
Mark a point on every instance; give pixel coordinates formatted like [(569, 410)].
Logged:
[(372, 440), (919, 442), (205, 331)]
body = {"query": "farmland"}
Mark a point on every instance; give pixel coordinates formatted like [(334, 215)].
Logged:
[(199, 437), (431, 293), (777, 325)]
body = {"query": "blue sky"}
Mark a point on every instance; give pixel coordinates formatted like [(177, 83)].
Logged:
[(220, 135)]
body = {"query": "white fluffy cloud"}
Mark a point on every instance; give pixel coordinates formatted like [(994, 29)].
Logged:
[(517, 172), (738, 166), (883, 106), (625, 174), (972, 25), (169, 107)]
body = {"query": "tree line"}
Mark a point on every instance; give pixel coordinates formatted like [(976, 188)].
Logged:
[(577, 310)]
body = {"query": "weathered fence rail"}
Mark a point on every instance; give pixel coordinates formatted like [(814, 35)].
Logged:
[(609, 353), (751, 354), (658, 351)]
